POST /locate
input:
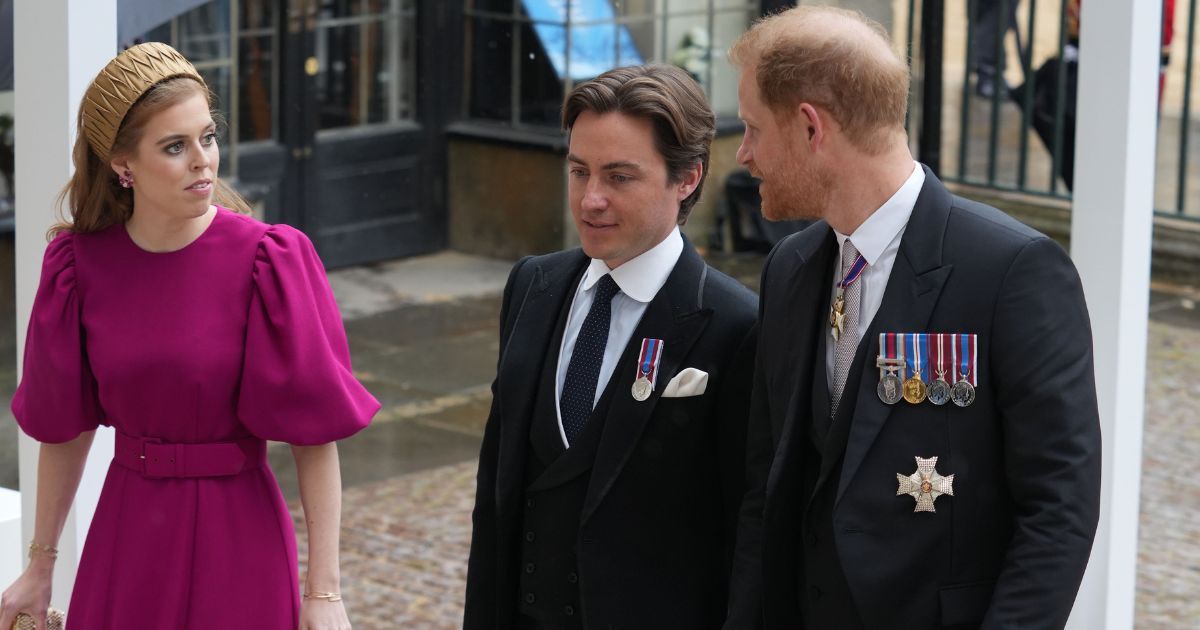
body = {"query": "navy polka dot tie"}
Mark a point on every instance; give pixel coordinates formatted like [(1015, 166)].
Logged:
[(579, 387)]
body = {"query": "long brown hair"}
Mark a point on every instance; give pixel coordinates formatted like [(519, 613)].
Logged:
[(94, 197)]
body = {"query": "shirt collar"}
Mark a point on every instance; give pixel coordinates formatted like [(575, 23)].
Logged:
[(641, 277), (881, 228)]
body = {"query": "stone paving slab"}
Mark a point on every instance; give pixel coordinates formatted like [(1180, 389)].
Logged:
[(405, 543), (1168, 586), (369, 289)]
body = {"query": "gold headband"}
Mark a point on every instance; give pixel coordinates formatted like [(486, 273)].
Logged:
[(121, 83)]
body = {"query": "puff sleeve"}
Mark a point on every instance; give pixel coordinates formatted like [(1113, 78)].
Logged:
[(297, 385), (57, 398)]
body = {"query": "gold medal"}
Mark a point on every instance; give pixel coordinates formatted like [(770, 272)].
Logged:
[(837, 315), (837, 310), (915, 390)]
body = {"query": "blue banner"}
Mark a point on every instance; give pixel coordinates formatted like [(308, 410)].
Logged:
[(598, 44)]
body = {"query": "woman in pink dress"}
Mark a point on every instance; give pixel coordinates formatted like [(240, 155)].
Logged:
[(197, 333)]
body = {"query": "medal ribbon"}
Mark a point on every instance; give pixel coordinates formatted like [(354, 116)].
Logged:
[(853, 274), (913, 360), (940, 368), (923, 358), (648, 359), (934, 358), (899, 337), (966, 346), (887, 345)]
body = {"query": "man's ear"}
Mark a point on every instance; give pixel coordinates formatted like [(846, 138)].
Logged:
[(691, 179), (815, 124)]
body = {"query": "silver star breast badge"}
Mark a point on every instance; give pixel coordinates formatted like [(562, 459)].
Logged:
[(925, 485)]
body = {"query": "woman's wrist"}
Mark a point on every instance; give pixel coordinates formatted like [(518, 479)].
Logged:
[(326, 596), (322, 584), (41, 565), (42, 558)]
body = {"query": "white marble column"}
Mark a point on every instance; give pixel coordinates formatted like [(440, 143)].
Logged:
[(1110, 242), (58, 47)]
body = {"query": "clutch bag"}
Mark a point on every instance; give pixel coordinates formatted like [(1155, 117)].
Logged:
[(55, 620)]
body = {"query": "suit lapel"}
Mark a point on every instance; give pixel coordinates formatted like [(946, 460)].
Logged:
[(676, 316), (912, 293), (521, 367), (812, 268)]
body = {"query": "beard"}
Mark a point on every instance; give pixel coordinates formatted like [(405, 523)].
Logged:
[(795, 193)]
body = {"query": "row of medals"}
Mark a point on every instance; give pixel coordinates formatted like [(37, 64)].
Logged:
[(892, 389)]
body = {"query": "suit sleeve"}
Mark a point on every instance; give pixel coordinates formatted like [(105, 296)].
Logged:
[(745, 583), (1046, 395), (482, 601)]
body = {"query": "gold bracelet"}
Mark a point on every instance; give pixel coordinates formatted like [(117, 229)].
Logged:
[(329, 597), (45, 550)]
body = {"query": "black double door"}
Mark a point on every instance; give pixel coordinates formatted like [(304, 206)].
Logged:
[(362, 153)]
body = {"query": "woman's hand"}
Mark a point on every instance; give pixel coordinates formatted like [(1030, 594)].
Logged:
[(30, 594), (321, 614)]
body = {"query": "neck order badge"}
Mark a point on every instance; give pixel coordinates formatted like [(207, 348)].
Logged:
[(837, 313)]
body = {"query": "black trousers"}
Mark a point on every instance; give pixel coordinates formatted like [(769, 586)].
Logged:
[(988, 25)]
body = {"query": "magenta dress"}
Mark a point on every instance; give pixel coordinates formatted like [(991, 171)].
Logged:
[(235, 336)]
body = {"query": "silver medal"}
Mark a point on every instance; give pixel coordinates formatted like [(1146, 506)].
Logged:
[(939, 391), (642, 389), (890, 389), (963, 393)]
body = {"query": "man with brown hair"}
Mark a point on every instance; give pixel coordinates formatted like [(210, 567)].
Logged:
[(613, 458), (924, 442)]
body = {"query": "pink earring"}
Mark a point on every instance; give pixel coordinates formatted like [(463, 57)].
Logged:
[(126, 180)]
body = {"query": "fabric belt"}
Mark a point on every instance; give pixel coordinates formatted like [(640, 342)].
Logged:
[(155, 459)]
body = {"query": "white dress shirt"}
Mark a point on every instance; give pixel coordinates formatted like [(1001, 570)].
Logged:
[(878, 241), (639, 280)]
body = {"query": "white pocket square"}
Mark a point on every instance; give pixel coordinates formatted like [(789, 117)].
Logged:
[(689, 382)]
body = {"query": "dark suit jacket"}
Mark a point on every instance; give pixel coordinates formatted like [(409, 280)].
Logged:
[(659, 520), (1008, 550)]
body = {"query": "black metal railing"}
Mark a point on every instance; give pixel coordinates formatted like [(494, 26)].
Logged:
[(1021, 138)]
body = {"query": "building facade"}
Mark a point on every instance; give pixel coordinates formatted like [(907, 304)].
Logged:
[(390, 128)]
